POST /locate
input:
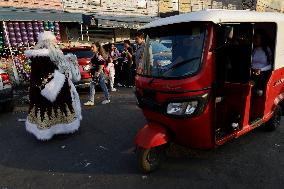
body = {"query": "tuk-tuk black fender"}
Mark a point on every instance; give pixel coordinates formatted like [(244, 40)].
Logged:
[(151, 135)]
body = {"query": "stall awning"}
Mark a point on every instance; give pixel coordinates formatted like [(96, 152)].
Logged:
[(29, 15)]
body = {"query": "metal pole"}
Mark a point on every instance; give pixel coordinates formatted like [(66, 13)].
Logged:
[(88, 37), (82, 32)]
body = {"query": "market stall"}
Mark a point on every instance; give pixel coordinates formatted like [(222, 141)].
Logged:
[(19, 31)]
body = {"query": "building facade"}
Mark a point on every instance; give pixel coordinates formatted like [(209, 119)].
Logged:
[(170, 7), (33, 4), (270, 6), (115, 20)]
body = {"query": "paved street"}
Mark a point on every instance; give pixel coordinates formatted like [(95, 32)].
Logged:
[(101, 155)]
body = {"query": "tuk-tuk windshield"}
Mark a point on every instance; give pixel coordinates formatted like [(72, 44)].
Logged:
[(173, 51)]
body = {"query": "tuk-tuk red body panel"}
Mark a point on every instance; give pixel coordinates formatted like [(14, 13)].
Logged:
[(151, 135)]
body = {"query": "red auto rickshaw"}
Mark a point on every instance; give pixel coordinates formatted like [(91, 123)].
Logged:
[(195, 85)]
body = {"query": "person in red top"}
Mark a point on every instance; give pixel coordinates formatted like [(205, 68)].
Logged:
[(97, 72)]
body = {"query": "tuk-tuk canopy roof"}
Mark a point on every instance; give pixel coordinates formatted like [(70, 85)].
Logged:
[(232, 16), (219, 16)]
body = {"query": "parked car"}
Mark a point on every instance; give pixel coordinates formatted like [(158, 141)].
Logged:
[(6, 92), (84, 55)]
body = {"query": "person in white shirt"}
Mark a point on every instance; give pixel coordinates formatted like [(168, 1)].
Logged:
[(112, 56), (261, 61)]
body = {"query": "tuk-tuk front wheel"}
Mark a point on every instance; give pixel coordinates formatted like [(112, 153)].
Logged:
[(148, 158), (275, 120)]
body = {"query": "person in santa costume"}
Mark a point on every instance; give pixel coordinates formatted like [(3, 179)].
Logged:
[(55, 106)]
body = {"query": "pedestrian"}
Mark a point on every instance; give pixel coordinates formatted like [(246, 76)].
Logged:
[(98, 75), (262, 60), (112, 58), (54, 102), (139, 54), (127, 54)]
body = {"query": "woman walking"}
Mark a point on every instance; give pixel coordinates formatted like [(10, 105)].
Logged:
[(98, 76)]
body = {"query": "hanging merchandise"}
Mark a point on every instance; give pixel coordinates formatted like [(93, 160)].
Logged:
[(11, 35), (1, 41), (57, 31), (30, 33), (24, 33), (27, 67), (8, 53), (45, 25), (23, 67), (10, 27), (7, 65), (51, 26), (35, 30), (4, 63), (29, 26), (18, 34), (5, 34), (56, 25), (41, 26), (22, 26), (16, 26)]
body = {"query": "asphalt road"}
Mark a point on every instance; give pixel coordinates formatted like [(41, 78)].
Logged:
[(101, 155)]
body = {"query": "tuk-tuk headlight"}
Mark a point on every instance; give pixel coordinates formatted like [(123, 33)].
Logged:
[(182, 108)]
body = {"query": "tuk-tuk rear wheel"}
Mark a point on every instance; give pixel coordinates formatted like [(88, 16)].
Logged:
[(148, 158), (275, 120)]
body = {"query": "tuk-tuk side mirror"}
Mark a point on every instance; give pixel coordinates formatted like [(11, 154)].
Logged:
[(229, 32)]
